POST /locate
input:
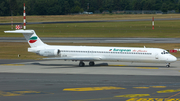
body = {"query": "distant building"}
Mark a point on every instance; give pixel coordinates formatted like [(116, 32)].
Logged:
[(87, 12), (105, 12)]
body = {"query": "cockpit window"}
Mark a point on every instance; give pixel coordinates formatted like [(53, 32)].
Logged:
[(164, 52)]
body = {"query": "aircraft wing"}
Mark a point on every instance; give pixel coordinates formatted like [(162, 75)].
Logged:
[(78, 58)]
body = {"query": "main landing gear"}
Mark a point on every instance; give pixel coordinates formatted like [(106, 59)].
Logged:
[(82, 64), (91, 63), (168, 65)]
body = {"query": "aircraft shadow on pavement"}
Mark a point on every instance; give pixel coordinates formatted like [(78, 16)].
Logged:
[(97, 65), (144, 66), (52, 64), (69, 65)]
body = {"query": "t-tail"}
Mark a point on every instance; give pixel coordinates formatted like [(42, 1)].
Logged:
[(30, 36)]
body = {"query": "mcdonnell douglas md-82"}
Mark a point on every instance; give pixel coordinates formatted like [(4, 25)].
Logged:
[(95, 53)]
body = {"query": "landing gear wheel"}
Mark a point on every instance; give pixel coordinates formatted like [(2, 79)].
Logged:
[(81, 64), (168, 65), (91, 63)]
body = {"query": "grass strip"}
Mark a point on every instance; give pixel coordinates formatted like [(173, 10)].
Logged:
[(141, 29), (85, 17)]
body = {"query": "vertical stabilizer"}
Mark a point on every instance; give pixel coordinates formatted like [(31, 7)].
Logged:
[(30, 36)]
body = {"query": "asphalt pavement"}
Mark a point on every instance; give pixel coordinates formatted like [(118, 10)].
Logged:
[(62, 87), (95, 40)]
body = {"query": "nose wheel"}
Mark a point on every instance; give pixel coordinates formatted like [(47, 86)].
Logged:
[(168, 65)]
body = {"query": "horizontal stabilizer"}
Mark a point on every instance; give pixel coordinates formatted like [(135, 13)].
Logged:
[(21, 31)]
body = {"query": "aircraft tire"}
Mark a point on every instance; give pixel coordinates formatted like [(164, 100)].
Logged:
[(168, 65), (91, 63), (81, 64)]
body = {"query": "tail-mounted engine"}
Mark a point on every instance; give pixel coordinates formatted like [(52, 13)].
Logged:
[(49, 52)]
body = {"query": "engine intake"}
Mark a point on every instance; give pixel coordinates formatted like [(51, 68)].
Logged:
[(49, 52)]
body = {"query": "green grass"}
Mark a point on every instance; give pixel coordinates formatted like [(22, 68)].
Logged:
[(11, 50), (163, 29), (85, 17)]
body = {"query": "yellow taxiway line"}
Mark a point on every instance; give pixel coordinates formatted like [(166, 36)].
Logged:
[(93, 88), (12, 64), (133, 95), (147, 67), (20, 93)]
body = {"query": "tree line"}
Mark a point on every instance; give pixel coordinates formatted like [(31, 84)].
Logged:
[(63, 7)]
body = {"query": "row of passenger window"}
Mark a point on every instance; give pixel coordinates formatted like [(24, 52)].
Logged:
[(106, 52)]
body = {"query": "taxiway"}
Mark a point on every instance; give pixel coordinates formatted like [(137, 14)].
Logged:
[(106, 81), (95, 40)]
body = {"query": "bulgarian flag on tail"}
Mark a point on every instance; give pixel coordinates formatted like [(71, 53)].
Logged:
[(33, 39)]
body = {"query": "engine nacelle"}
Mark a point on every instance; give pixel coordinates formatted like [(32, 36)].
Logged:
[(49, 52)]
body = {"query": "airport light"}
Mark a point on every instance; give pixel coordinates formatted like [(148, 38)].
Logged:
[(152, 22), (24, 14)]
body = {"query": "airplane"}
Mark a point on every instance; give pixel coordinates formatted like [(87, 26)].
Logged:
[(95, 53)]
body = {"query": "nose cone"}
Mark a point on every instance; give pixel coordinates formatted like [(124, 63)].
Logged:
[(172, 58)]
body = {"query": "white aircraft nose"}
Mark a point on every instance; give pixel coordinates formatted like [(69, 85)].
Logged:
[(172, 59)]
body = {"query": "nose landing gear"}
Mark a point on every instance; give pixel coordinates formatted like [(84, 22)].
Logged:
[(168, 65)]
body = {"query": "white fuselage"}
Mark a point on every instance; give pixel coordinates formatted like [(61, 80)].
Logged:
[(124, 54)]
